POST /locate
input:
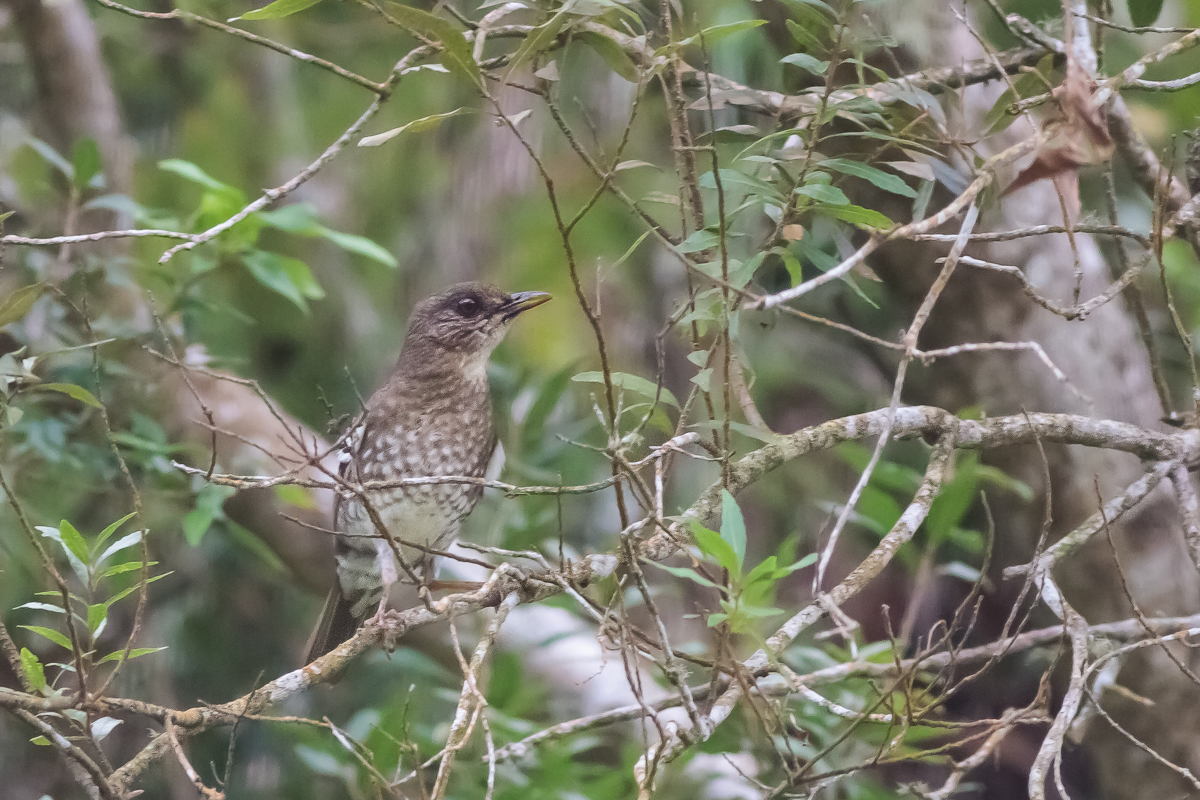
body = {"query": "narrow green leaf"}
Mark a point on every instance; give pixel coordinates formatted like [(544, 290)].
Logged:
[(121, 595), (686, 573), (630, 383), (96, 615), (191, 172), (416, 126), (52, 157), (128, 540), (765, 570), (17, 304), (884, 180), (613, 54), (298, 218), (277, 9), (857, 215), (716, 33), (129, 566), (13, 415), (807, 561), (806, 62), (759, 611), (109, 531), (700, 240), (43, 607), (50, 634), (823, 193), (136, 652), (360, 245), (77, 392), (74, 540), (540, 39), (456, 52), (733, 527), (716, 619), (33, 670), (86, 163), (715, 547)]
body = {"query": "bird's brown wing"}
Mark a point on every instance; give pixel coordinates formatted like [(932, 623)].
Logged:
[(337, 624)]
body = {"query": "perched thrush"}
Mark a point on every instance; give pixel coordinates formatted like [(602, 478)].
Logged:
[(432, 417)]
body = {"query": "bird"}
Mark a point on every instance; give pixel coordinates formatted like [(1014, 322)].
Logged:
[(431, 417)]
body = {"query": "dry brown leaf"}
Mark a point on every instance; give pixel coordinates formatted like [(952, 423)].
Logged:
[(1079, 137)]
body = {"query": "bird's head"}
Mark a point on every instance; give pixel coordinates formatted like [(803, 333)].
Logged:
[(467, 320)]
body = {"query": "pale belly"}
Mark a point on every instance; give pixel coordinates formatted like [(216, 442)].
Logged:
[(368, 564)]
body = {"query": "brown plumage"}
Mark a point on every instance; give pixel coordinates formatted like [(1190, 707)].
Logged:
[(432, 417)]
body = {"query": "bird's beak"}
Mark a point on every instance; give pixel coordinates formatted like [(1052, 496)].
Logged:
[(523, 301)]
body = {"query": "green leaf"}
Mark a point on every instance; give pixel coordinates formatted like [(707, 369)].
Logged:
[(612, 53), (716, 33), (686, 573), (806, 62), (713, 545), (17, 304), (277, 9), (52, 157), (121, 595), (456, 52), (716, 619), (96, 615), (189, 171), (360, 245), (703, 379), (50, 634), (1144, 13), (823, 193), (765, 570), (759, 611), (540, 38), (86, 163), (630, 383), (43, 606), (136, 652), (128, 566), (416, 126), (703, 239), (883, 180), (807, 561), (209, 507), (733, 527), (298, 218), (289, 277), (78, 392), (110, 530), (71, 538), (33, 670), (128, 540), (857, 215), (750, 184), (13, 414), (78, 566)]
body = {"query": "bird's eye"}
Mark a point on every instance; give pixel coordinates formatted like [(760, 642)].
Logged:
[(467, 307)]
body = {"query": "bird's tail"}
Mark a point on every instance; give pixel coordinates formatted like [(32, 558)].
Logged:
[(336, 626)]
